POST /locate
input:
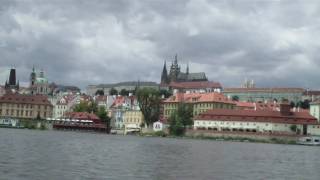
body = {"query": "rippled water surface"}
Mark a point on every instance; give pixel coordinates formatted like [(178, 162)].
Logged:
[(28, 154)]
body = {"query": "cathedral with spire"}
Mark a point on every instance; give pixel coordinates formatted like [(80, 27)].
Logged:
[(38, 83), (175, 74)]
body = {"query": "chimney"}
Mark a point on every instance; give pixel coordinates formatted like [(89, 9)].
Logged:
[(285, 108)]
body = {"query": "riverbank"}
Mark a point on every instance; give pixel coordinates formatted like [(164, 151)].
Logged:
[(228, 137), (253, 138)]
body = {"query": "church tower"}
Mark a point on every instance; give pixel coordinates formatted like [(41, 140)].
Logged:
[(164, 75), (33, 77), (174, 70), (12, 84), (187, 70)]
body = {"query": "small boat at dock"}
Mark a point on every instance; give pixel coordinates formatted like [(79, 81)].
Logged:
[(309, 141)]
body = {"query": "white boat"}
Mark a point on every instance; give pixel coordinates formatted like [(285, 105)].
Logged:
[(310, 141)]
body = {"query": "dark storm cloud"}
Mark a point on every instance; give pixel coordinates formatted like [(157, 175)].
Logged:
[(84, 42)]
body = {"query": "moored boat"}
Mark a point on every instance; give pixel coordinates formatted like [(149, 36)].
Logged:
[(309, 140)]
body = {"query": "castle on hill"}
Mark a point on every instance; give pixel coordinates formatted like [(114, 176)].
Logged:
[(175, 74)]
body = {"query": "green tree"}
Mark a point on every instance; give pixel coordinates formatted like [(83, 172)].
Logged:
[(181, 119), (175, 126), (235, 98), (113, 91), (124, 92), (304, 104), (293, 128), (92, 107), (165, 93), (292, 104), (102, 114), (185, 112), (149, 102), (84, 106), (81, 107), (99, 92)]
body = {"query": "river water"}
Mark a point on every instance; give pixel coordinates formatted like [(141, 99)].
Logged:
[(32, 154)]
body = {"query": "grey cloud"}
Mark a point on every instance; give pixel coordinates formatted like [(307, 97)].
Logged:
[(88, 42)]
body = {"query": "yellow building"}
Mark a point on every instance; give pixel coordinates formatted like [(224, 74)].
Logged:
[(201, 102), (133, 119), (25, 106)]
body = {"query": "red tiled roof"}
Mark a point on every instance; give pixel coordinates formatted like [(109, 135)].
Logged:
[(244, 104), (120, 100), (195, 84), (257, 116), (25, 99), (198, 97)]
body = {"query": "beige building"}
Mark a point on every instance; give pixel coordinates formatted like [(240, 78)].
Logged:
[(264, 121), (315, 110), (133, 119), (25, 106), (200, 102)]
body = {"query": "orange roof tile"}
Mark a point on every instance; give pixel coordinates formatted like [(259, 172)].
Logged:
[(257, 116)]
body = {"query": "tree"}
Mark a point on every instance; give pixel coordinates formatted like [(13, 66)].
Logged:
[(304, 104), (92, 107), (292, 104), (181, 119), (185, 111), (124, 92), (293, 128), (99, 92), (176, 127), (102, 114), (235, 98), (149, 102), (165, 93), (113, 91), (84, 106)]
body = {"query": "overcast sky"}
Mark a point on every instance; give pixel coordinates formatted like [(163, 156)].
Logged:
[(81, 42)]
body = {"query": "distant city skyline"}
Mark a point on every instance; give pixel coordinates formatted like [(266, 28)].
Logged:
[(93, 42)]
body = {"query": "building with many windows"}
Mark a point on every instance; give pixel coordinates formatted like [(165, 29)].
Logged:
[(119, 107), (265, 94), (195, 87), (133, 119), (25, 106), (284, 122), (200, 102)]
